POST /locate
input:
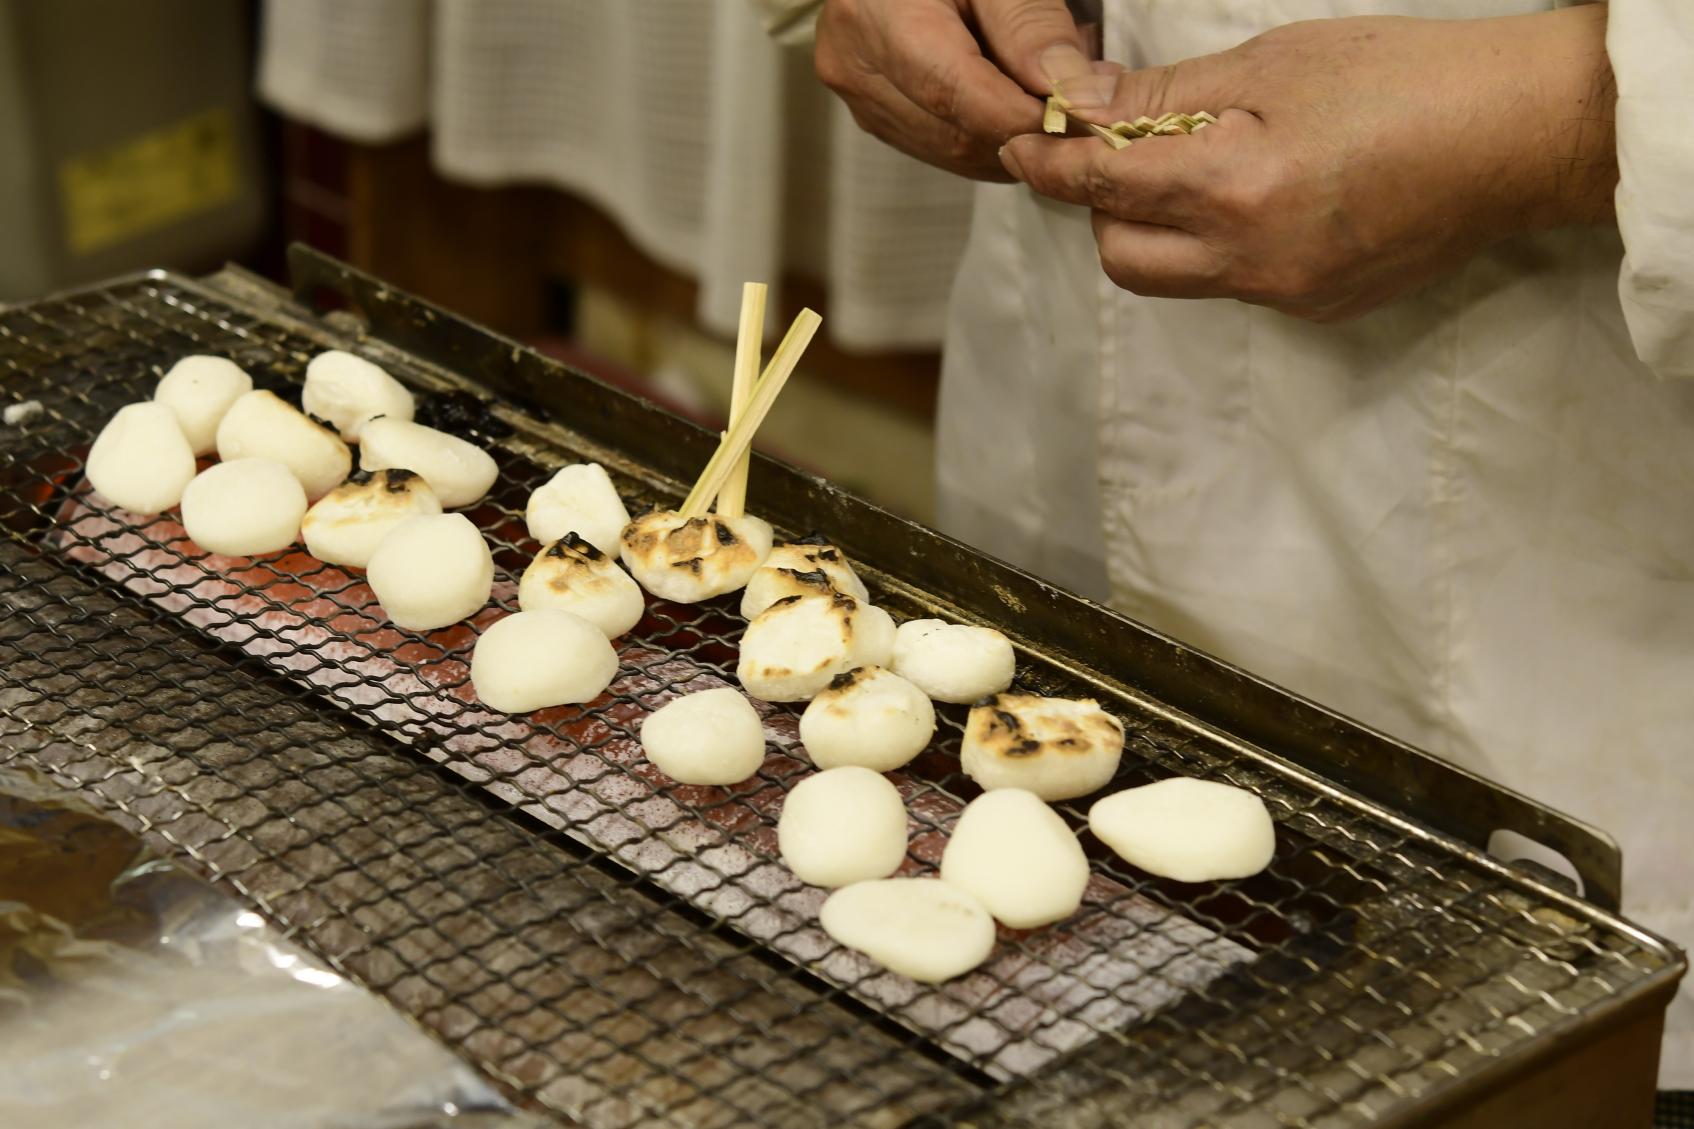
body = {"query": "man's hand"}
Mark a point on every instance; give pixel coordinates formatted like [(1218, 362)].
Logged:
[(1353, 159), (948, 81)]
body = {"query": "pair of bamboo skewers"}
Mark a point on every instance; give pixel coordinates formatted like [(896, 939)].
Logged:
[(725, 476)]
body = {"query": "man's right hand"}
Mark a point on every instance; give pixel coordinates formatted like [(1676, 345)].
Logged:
[(948, 81)]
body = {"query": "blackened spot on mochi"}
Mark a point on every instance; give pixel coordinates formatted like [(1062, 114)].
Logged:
[(1008, 719), (692, 564), (847, 679), (397, 480), (725, 537), (323, 423), (817, 578), (691, 525), (577, 544), (785, 601), (845, 602), (829, 555), (459, 413), (1027, 747)]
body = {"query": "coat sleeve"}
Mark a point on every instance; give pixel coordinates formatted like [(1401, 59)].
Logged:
[(1651, 45), (792, 23)]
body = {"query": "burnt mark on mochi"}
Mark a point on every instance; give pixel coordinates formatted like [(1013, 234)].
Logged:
[(847, 679), (785, 601), (398, 480), (575, 543), (1006, 728), (816, 580), (323, 423), (1067, 735), (362, 477), (725, 537), (833, 698), (844, 606), (688, 539), (639, 534), (692, 564), (1007, 720), (648, 536), (1015, 726)]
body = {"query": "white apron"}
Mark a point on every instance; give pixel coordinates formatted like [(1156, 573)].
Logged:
[(1466, 519)]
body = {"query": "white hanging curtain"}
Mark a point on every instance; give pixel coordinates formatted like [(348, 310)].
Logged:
[(714, 148)]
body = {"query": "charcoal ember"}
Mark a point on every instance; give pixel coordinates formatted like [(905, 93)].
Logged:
[(460, 413)]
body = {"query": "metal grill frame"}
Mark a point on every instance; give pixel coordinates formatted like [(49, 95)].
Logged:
[(1402, 833)]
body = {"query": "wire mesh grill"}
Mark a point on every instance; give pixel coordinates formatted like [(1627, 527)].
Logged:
[(618, 949)]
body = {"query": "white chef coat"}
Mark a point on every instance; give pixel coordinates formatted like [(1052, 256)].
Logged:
[(1466, 519)]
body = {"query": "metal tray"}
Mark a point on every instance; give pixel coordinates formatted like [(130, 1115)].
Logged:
[(618, 949)]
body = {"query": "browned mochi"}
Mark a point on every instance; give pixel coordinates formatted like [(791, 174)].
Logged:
[(781, 583), (1058, 748), (870, 717), (346, 525), (693, 559), (573, 575), (800, 568), (793, 648)]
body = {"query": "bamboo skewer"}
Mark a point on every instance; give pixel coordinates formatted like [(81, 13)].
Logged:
[(1110, 137), (1119, 134), (1053, 118), (732, 499), (739, 439)]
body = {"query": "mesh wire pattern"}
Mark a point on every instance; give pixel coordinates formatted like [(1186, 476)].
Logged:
[(618, 949)]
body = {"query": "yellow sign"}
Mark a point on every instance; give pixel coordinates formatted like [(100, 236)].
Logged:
[(148, 182)]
